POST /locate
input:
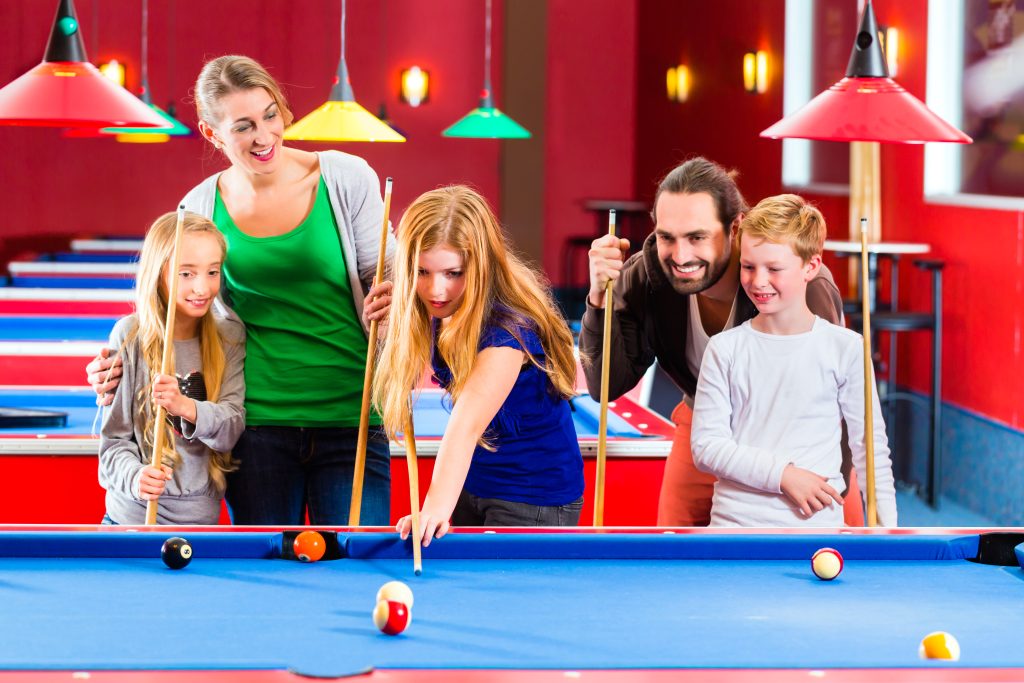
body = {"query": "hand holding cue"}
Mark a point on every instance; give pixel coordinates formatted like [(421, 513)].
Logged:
[(165, 361), (371, 355), (602, 432), (414, 492), (869, 427)]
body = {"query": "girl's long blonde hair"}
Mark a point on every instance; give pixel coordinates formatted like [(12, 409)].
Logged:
[(500, 290), (151, 310)]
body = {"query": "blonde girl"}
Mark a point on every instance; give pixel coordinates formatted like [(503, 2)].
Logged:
[(208, 352), (463, 303)]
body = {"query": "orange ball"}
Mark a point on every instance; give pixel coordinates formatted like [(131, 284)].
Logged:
[(939, 645), (392, 617), (309, 546)]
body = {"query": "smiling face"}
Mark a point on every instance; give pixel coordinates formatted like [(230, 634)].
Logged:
[(249, 131), (693, 247), (774, 277), (441, 280), (198, 278)]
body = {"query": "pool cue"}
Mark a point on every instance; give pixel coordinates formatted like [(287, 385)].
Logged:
[(414, 492), (869, 426), (602, 431), (371, 355), (165, 361)]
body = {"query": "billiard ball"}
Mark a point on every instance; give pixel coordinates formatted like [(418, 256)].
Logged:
[(176, 552), (391, 617), (397, 591), (827, 563), (939, 645), (309, 546)]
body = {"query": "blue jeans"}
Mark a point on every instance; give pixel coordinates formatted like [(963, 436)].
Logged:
[(475, 511), (286, 472)]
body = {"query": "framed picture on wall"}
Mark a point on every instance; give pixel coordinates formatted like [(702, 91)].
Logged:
[(976, 81)]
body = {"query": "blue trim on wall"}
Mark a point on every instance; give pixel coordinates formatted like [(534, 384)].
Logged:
[(982, 460)]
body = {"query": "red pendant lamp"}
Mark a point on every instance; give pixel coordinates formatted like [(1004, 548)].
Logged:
[(66, 91), (867, 105)]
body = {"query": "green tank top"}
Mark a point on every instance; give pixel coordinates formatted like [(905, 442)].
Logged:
[(305, 350)]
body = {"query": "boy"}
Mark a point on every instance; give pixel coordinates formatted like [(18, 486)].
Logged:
[(772, 392)]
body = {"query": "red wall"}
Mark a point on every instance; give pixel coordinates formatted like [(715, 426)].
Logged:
[(57, 185), (591, 115), (983, 356)]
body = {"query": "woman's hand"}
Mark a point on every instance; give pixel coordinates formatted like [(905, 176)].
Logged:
[(377, 305), (104, 374)]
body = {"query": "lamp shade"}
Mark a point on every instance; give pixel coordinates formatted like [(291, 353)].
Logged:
[(867, 105), (486, 122), (343, 122), (65, 90)]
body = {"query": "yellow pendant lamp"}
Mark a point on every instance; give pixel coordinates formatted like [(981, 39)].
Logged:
[(341, 118)]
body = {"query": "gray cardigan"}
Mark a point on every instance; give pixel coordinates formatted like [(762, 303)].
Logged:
[(354, 192), (189, 497)]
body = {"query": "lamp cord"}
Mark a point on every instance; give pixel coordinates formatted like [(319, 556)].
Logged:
[(145, 48), (343, 3), (487, 47)]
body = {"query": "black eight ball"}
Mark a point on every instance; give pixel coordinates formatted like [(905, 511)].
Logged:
[(176, 552)]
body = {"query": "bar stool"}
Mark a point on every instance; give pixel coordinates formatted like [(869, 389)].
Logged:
[(894, 321)]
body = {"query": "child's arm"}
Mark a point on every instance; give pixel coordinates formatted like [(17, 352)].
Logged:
[(489, 384), (851, 403), (219, 424), (122, 467), (711, 438)]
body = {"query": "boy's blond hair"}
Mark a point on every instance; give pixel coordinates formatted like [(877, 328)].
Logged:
[(787, 219)]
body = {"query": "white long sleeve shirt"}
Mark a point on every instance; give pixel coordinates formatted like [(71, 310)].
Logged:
[(764, 401)]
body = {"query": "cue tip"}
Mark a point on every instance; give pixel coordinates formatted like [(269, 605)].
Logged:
[(417, 572)]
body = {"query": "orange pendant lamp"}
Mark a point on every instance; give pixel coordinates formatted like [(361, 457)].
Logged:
[(66, 91)]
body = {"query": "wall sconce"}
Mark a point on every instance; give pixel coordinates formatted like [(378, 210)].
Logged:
[(415, 86), (755, 72), (114, 70), (891, 45), (677, 83)]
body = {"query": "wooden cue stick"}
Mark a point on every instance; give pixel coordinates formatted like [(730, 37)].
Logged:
[(602, 432), (869, 427), (371, 355), (414, 492), (165, 361)]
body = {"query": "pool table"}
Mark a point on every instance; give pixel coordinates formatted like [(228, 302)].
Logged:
[(639, 440), (614, 606)]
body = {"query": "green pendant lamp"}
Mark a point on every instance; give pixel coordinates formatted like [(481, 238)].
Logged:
[(486, 121), (141, 135), (341, 118)]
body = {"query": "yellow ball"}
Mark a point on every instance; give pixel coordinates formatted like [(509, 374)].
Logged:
[(939, 645), (396, 591)]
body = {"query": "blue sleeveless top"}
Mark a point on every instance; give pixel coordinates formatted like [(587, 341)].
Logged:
[(537, 458)]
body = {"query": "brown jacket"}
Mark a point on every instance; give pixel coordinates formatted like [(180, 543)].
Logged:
[(651, 321)]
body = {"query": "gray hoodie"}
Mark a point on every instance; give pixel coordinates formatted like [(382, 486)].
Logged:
[(190, 497)]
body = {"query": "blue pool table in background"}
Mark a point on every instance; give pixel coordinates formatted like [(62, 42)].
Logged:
[(616, 606), (638, 443)]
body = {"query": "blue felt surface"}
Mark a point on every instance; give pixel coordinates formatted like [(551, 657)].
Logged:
[(81, 614), (431, 417), (79, 404), (55, 328), (91, 282), (92, 257)]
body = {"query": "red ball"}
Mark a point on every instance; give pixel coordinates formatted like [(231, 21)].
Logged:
[(391, 617), (827, 563), (309, 546)]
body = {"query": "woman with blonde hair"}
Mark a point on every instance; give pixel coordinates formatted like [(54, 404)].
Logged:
[(208, 353), (466, 305), (303, 231)]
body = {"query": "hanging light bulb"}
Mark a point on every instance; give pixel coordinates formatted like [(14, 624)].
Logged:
[(341, 118)]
